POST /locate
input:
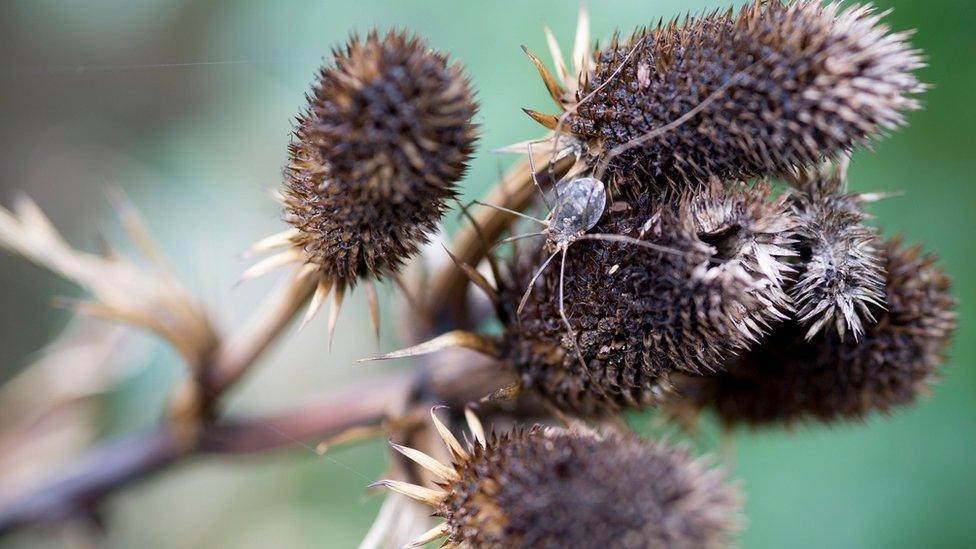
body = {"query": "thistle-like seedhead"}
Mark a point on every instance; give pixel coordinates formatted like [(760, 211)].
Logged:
[(551, 487), (640, 315), (788, 378), (765, 90), (842, 276), (749, 229), (376, 155)]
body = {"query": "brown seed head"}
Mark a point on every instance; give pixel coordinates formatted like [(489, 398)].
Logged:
[(385, 138), (640, 315), (777, 86), (842, 274), (556, 488), (549, 487), (788, 378)]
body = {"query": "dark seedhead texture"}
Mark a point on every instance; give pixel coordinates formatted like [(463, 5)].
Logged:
[(377, 154), (842, 273), (777, 86), (790, 378), (640, 315), (553, 487)]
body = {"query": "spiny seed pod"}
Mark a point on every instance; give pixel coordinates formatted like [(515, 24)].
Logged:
[(745, 226), (788, 378), (744, 95), (550, 487), (842, 274), (639, 315), (385, 139), (376, 155)]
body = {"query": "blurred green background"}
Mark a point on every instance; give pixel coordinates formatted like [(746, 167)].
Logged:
[(188, 106)]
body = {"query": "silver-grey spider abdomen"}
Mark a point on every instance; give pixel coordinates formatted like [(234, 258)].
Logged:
[(578, 207)]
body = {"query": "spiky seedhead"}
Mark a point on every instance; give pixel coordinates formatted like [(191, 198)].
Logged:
[(640, 315), (776, 86), (385, 138), (788, 378), (842, 274), (747, 228), (550, 487)]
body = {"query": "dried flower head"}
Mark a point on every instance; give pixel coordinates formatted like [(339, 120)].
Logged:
[(551, 487), (639, 315), (842, 273), (747, 228), (741, 95), (789, 378), (376, 155)]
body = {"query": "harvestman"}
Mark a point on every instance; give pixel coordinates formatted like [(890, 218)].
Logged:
[(578, 205)]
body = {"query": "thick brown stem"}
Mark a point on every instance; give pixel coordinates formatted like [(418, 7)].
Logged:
[(112, 467), (237, 353)]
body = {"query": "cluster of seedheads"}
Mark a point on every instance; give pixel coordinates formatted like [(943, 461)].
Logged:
[(669, 270)]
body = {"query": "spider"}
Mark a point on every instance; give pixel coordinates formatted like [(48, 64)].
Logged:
[(577, 207)]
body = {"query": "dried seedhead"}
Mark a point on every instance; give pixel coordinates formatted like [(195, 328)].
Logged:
[(377, 154), (842, 274), (551, 487), (385, 139), (747, 228), (638, 315), (789, 378), (772, 87)]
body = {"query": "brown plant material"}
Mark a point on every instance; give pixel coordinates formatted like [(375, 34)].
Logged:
[(556, 487), (640, 315), (777, 86), (842, 274), (789, 378), (151, 298), (377, 155)]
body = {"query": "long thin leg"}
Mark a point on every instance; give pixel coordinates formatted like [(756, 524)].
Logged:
[(562, 119), (484, 241), (562, 308), (535, 180), (515, 238), (528, 289), (640, 140), (634, 241), (513, 212)]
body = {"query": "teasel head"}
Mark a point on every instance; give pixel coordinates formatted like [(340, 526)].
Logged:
[(790, 378), (376, 156), (739, 95), (749, 228), (842, 275), (710, 285), (561, 487)]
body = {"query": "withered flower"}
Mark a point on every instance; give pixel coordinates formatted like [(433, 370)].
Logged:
[(789, 378), (551, 487), (738, 95), (376, 155), (640, 315), (842, 273)]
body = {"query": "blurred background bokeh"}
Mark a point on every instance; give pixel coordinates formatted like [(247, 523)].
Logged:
[(188, 106)]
